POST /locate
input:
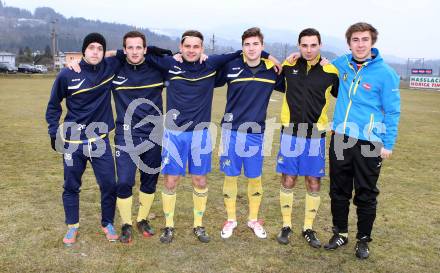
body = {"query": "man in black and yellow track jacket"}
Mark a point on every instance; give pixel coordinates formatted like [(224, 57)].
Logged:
[(308, 86)]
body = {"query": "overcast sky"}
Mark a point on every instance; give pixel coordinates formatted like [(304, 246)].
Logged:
[(407, 28)]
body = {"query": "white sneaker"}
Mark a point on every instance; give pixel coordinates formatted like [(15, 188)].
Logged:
[(228, 228), (258, 229)]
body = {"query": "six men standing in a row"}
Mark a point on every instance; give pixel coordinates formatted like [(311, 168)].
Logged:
[(364, 129)]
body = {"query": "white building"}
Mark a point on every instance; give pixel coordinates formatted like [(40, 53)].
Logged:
[(60, 61), (6, 57)]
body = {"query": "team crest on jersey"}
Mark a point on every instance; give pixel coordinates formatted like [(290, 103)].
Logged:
[(345, 77), (226, 163)]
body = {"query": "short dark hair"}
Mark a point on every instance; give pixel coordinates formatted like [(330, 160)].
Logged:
[(361, 27), (309, 32), (134, 34), (252, 32), (191, 33)]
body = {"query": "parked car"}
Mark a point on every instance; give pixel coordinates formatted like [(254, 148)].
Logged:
[(41, 68), (8, 68), (27, 68)]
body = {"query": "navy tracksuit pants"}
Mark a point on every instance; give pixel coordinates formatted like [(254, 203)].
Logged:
[(130, 158), (104, 169)]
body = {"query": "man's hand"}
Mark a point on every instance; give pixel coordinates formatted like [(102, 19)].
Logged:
[(278, 67), (385, 154), (324, 61), (159, 51), (74, 65), (110, 53), (203, 57), (293, 57), (52, 143), (178, 57)]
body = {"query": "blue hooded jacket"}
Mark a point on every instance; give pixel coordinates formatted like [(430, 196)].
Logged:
[(368, 103)]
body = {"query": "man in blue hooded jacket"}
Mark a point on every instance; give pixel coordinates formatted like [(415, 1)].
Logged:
[(365, 128)]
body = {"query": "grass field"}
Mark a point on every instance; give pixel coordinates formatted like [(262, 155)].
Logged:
[(406, 233)]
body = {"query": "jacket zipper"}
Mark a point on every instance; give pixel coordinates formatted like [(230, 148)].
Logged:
[(357, 80), (370, 127)]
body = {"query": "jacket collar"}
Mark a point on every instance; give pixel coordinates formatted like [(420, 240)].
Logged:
[(375, 58), (135, 66), (309, 63), (89, 67), (268, 64)]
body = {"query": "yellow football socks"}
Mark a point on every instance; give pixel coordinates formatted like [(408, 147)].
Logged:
[(200, 196), (169, 204), (286, 203), (145, 202), (124, 207), (313, 200), (230, 196), (255, 194)]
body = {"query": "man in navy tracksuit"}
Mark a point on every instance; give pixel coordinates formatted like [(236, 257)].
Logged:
[(83, 135), (251, 80), (137, 92), (186, 136)]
